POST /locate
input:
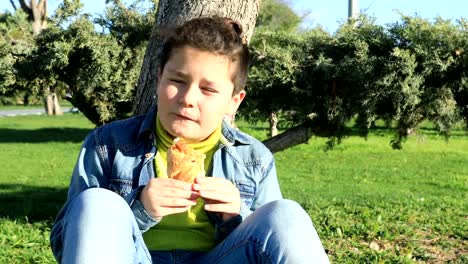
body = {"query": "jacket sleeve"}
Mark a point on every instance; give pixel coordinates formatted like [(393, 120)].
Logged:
[(144, 220), (268, 189)]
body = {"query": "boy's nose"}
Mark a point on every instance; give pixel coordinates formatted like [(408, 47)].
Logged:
[(189, 96)]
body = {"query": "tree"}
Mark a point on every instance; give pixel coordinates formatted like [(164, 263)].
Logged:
[(98, 70), (407, 73), (277, 16), (16, 42), (175, 12), (315, 83), (37, 14)]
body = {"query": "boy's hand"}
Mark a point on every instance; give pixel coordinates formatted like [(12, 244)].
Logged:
[(162, 197), (220, 196)]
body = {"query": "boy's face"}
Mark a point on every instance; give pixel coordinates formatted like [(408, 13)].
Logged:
[(195, 93)]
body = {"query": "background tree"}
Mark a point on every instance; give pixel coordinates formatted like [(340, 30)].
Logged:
[(37, 14), (405, 73), (98, 70), (316, 83), (16, 42), (277, 16)]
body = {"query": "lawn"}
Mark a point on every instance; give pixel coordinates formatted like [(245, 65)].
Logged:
[(369, 203)]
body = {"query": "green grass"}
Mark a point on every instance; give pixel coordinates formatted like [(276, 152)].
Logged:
[(369, 203), (37, 154)]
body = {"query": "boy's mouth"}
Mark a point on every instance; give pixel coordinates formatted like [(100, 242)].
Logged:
[(180, 116)]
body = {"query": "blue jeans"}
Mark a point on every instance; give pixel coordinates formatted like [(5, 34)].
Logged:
[(99, 227)]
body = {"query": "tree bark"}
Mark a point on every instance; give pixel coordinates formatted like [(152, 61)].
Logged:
[(294, 136), (13, 4), (176, 12), (273, 124), (37, 13), (297, 135), (51, 104)]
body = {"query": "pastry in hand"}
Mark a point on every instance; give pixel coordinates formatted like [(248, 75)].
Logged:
[(183, 162)]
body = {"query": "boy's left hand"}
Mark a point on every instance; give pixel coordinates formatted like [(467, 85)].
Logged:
[(220, 196)]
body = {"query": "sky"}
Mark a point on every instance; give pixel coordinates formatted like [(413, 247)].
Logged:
[(329, 13)]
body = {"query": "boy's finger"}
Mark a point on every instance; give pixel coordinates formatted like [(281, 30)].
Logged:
[(212, 180), (218, 184), (178, 193), (174, 183), (175, 202), (219, 196)]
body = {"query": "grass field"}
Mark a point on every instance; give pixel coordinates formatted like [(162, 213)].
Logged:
[(369, 203)]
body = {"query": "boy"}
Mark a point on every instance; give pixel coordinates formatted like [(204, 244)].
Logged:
[(233, 215)]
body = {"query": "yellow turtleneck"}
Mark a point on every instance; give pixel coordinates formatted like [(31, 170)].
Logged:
[(190, 230)]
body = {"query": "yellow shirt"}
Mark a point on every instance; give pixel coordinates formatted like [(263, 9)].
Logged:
[(190, 230)]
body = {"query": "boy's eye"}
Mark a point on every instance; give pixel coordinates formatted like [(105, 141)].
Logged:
[(208, 89), (176, 80)]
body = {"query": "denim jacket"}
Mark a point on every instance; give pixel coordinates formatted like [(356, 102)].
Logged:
[(119, 157)]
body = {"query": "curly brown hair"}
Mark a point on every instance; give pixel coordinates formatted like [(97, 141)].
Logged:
[(221, 36)]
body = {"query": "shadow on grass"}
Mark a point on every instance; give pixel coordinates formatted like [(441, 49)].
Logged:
[(43, 135), (18, 201)]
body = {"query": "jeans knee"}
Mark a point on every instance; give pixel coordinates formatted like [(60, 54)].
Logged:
[(290, 212), (100, 202)]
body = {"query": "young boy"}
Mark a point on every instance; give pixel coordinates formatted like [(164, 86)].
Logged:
[(123, 208)]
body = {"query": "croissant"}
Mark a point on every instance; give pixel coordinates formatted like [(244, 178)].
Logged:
[(183, 162)]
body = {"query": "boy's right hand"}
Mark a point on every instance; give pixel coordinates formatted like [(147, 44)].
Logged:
[(162, 197)]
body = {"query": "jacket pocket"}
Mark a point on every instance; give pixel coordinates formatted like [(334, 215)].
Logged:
[(247, 192), (121, 187)]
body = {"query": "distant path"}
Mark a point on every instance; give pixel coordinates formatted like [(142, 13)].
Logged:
[(38, 111)]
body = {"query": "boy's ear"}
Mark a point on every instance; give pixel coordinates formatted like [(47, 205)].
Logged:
[(158, 79), (236, 100), (159, 74)]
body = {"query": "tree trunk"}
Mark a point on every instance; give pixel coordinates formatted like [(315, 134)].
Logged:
[(51, 104), (26, 99), (273, 124), (48, 104), (56, 109), (37, 13), (297, 135), (176, 12), (294, 136)]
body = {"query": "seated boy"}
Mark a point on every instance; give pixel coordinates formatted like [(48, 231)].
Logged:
[(123, 208)]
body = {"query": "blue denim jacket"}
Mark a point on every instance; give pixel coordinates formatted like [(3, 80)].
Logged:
[(119, 157)]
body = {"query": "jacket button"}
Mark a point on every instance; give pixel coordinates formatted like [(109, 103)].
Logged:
[(148, 155)]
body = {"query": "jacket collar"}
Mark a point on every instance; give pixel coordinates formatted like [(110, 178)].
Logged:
[(234, 136), (148, 126), (231, 134)]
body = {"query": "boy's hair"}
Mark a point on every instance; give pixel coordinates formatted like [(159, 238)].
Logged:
[(222, 36)]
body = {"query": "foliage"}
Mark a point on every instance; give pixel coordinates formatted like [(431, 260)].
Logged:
[(97, 70), (16, 42), (276, 15), (404, 73), (368, 203)]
